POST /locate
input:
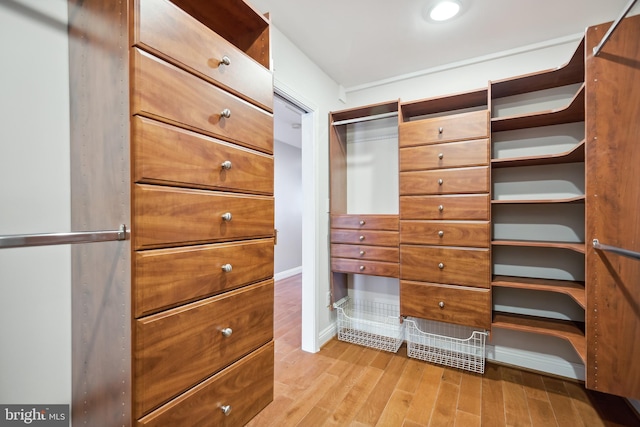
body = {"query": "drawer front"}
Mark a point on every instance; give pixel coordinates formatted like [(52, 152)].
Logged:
[(460, 305), (168, 31), (449, 155), (167, 93), (246, 386), (166, 154), (177, 349), (165, 216), (370, 268), (446, 233), (165, 278), (469, 207), (365, 237), (456, 266), (473, 125), (369, 253), (365, 222), (445, 181)]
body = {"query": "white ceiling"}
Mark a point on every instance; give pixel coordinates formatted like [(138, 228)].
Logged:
[(357, 42)]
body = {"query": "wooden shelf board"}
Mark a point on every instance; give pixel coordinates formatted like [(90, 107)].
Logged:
[(575, 155), (364, 111), (458, 101), (573, 289), (574, 112), (577, 247), (577, 199), (573, 332)]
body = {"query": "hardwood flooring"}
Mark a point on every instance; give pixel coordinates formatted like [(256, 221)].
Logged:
[(348, 385)]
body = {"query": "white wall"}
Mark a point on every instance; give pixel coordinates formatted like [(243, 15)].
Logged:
[(35, 283), (288, 194)]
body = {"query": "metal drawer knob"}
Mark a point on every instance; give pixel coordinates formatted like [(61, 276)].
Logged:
[(440, 130), (226, 165), (440, 181), (227, 268), (441, 304), (225, 60), (441, 156), (362, 268), (361, 238), (440, 233), (441, 208), (226, 409), (227, 216), (362, 222), (441, 266), (227, 332), (226, 113), (361, 253)]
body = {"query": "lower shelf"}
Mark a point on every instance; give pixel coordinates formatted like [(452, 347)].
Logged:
[(573, 332)]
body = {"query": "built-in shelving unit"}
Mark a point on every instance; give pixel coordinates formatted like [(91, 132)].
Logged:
[(572, 156), (574, 289)]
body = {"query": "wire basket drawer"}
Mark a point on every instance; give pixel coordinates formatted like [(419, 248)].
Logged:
[(457, 346), (371, 324)]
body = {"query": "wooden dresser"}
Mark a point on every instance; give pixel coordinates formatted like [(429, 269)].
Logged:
[(445, 266), (172, 129)]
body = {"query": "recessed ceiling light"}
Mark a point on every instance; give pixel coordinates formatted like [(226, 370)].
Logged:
[(444, 10)]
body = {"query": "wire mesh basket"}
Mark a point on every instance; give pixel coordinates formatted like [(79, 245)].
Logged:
[(457, 346), (371, 324)]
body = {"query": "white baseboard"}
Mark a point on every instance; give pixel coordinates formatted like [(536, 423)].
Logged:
[(326, 335), (536, 361), (287, 273)]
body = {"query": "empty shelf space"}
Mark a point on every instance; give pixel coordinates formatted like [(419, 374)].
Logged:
[(576, 247), (574, 112), (384, 109), (455, 103), (575, 155), (577, 199), (571, 288), (573, 332)]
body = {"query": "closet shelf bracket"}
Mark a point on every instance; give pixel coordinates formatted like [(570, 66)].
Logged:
[(48, 239), (598, 48), (614, 249)]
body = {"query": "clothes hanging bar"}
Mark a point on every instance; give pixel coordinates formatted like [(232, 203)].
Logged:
[(619, 251), (365, 118), (48, 239), (596, 50)]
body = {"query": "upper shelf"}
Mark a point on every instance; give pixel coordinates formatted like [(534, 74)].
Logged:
[(574, 155), (444, 104), (364, 112), (570, 73)]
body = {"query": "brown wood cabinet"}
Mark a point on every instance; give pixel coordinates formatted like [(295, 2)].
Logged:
[(172, 134)]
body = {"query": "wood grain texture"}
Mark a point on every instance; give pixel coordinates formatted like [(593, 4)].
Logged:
[(447, 155), (451, 102), (371, 268), (176, 349), (365, 237), (167, 93), (369, 253), (457, 207), (446, 233), (170, 33), (365, 222), (445, 181), (168, 155), (473, 125)]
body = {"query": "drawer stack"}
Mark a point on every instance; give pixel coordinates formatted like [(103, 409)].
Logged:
[(445, 266), (203, 221), (365, 244)]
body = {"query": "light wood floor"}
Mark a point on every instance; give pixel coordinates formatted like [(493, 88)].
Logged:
[(349, 385)]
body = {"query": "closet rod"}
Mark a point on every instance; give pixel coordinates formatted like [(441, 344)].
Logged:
[(47, 239), (596, 50), (619, 251), (365, 118)]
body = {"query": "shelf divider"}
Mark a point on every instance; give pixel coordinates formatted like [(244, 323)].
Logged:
[(571, 288)]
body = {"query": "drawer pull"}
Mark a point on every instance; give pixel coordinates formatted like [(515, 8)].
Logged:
[(440, 233), (226, 113), (227, 216), (225, 61), (362, 267), (226, 165), (227, 268), (227, 332), (441, 208), (440, 130), (361, 253), (441, 304), (441, 156), (226, 409), (440, 181), (362, 222), (441, 266), (361, 238)]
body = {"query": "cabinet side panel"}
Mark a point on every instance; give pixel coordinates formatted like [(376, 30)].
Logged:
[(100, 200), (613, 197)]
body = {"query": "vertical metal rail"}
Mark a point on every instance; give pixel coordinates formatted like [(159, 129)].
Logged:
[(605, 38), (48, 239)]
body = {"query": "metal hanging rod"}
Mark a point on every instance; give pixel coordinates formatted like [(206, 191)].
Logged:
[(598, 48), (48, 239), (365, 118), (619, 251)]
